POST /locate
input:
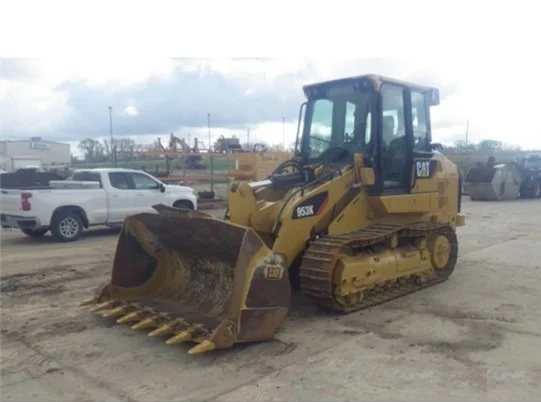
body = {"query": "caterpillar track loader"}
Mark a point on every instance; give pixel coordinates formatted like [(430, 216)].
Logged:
[(366, 211)]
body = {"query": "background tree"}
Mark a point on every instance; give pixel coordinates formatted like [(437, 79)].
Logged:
[(93, 150)]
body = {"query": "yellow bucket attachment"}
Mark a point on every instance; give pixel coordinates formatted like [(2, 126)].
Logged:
[(193, 277)]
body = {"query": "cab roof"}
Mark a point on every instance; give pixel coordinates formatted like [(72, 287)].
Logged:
[(370, 81)]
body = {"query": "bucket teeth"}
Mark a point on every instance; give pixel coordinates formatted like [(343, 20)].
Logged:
[(179, 330), (106, 305), (134, 316), (205, 346), (88, 302), (148, 323), (182, 337), (163, 330), (116, 312)]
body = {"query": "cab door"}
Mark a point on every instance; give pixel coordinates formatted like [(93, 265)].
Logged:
[(120, 197), (404, 136), (395, 140), (147, 192), (424, 166)]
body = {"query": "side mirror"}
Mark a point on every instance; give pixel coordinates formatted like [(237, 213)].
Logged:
[(162, 188)]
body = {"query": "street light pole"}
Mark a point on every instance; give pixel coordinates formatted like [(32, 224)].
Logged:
[(211, 160), (208, 122), (113, 148), (284, 133)]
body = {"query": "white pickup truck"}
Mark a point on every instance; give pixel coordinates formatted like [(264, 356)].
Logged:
[(92, 197)]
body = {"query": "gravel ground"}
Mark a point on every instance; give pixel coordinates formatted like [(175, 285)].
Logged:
[(475, 337)]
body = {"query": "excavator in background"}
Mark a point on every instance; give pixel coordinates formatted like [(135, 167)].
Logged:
[(192, 161), (504, 181), (366, 211)]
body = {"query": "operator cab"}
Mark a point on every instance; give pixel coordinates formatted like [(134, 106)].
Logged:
[(385, 119)]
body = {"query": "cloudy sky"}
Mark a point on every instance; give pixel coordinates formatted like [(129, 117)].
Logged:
[(485, 79)]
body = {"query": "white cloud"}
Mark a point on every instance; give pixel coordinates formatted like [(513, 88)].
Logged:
[(130, 111), (487, 91), (94, 71), (36, 107), (483, 57)]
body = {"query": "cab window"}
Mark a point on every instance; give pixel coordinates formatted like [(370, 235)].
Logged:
[(340, 121), (119, 180), (143, 182), (419, 119)]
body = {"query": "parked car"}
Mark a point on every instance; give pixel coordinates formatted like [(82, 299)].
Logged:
[(91, 197)]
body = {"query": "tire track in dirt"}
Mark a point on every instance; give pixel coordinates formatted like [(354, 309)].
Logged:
[(48, 281), (41, 304), (57, 365)]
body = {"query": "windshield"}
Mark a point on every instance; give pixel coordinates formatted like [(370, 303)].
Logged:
[(339, 121)]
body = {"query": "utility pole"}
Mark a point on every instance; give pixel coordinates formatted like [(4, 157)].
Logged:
[(113, 148), (211, 160), (208, 118), (284, 133)]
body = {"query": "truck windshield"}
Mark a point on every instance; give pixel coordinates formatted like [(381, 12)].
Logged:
[(339, 121)]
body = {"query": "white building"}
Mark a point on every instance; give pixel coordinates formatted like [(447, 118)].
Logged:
[(49, 154)]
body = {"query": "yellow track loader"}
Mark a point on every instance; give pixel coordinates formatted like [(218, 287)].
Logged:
[(366, 211)]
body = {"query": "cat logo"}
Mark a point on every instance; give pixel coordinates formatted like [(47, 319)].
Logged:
[(422, 169), (274, 272)]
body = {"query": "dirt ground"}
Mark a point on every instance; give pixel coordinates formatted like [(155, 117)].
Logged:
[(475, 337)]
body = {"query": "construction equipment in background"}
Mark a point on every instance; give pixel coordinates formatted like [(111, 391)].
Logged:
[(232, 145), (254, 166), (366, 211), (531, 169), (505, 181), (227, 145), (250, 165), (191, 161)]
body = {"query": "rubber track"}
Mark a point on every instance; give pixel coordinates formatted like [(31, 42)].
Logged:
[(320, 258)]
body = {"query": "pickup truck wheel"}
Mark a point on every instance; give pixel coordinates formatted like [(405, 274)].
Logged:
[(183, 204), (67, 226), (34, 232)]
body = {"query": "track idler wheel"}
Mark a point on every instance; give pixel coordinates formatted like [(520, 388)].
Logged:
[(440, 250)]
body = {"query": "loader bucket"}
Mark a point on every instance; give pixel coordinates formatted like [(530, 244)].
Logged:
[(498, 183), (195, 278)]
